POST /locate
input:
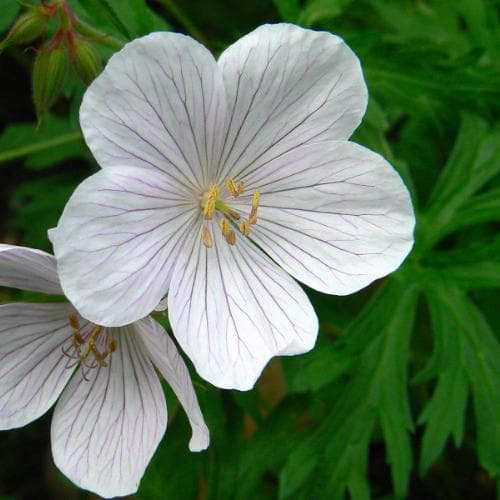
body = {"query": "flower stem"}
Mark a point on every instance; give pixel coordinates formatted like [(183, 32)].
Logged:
[(183, 20), (22, 151)]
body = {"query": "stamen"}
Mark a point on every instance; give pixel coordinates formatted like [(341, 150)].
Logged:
[(231, 237), (233, 188), (209, 207), (91, 343), (255, 203), (112, 345), (227, 232), (82, 356), (244, 228), (224, 225), (206, 238), (73, 321), (255, 199)]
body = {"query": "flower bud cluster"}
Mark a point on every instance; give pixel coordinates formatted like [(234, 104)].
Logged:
[(68, 47)]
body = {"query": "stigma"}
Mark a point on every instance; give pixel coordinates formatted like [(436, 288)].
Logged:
[(84, 347), (215, 203)]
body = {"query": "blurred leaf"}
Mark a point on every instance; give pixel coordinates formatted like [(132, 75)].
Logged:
[(289, 10), (328, 361), (404, 76), (320, 10), (39, 204), (269, 446), (481, 208), (8, 12), (476, 265), (377, 390), (130, 21), (424, 22), (44, 146)]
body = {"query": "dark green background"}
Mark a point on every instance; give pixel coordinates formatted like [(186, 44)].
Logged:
[(401, 396)]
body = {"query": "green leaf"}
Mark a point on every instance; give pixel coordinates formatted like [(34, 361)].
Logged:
[(376, 391), (444, 413), (130, 21), (474, 161), (405, 76), (476, 265), (460, 163), (269, 446), (327, 362), (479, 209), (43, 146), (472, 353)]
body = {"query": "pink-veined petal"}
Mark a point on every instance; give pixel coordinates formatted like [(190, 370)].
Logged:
[(33, 368), (106, 429), (164, 354), (335, 215), (231, 309), (117, 241), (159, 104), (28, 269), (287, 86)]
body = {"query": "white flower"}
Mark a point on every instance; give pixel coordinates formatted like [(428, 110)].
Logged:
[(220, 180), (112, 412)]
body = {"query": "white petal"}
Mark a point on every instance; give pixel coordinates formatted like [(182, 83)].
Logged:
[(32, 365), (287, 86), (165, 356), (117, 241), (335, 215), (105, 430), (231, 309), (28, 269), (159, 104)]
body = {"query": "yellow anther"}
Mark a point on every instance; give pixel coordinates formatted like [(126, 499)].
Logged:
[(224, 225), (206, 238), (244, 228), (209, 203), (231, 237), (233, 188), (255, 203), (255, 199)]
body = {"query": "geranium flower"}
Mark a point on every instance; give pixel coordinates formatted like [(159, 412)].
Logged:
[(221, 180), (112, 412)]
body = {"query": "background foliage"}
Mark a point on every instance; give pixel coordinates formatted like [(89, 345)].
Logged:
[(400, 398)]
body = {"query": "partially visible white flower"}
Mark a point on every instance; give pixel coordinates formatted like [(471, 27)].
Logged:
[(220, 180), (112, 412)]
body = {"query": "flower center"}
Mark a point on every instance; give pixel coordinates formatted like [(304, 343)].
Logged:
[(84, 349), (213, 207)]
